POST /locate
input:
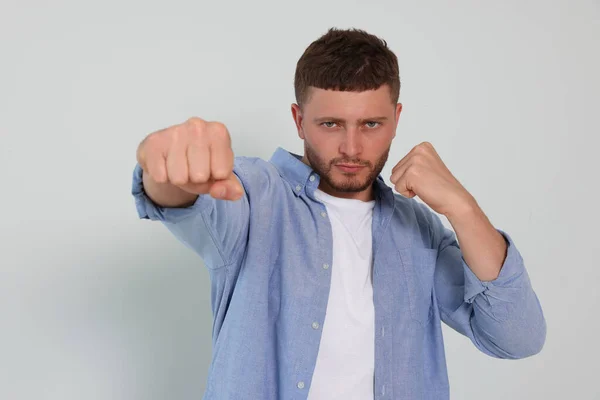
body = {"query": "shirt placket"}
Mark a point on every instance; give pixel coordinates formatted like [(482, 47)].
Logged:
[(316, 309)]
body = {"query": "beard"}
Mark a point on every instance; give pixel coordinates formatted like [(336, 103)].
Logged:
[(348, 182)]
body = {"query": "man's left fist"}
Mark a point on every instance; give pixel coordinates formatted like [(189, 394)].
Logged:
[(423, 173)]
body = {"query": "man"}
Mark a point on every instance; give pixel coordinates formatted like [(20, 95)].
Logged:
[(324, 283)]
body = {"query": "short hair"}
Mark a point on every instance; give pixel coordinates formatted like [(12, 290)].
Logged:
[(347, 60)]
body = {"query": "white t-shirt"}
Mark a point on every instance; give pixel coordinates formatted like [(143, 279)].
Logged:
[(346, 358)]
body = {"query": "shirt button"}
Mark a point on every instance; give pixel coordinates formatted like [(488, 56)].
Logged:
[(300, 385), (315, 325), (298, 188), (312, 178), (323, 214), (325, 266)]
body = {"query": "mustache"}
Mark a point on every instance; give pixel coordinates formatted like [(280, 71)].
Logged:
[(349, 161)]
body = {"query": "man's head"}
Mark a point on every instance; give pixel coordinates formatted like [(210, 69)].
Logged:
[(347, 86)]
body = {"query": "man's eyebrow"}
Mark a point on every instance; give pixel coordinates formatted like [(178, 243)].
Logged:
[(375, 119), (334, 119), (331, 119)]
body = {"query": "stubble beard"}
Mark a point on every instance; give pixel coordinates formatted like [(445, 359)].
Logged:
[(351, 182)]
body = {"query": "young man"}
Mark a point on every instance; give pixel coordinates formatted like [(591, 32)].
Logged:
[(324, 283)]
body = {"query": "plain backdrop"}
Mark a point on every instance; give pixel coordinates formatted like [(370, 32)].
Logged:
[(97, 304)]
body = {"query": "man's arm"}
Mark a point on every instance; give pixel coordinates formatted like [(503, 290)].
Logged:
[(482, 287), (483, 247), (187, 178), (483, 290)]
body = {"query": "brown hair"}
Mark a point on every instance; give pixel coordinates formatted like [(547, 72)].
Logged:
[(347, 60)]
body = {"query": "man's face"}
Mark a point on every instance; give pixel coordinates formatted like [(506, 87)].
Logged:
[(347, 137)]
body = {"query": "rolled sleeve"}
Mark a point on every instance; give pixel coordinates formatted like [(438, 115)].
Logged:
[(147, 209), (512, 270)]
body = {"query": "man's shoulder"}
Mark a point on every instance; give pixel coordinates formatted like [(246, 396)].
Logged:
[(255, 172), (254, 165)]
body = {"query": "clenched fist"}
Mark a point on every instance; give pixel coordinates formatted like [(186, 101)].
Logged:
[(195, 156), (423, 173)]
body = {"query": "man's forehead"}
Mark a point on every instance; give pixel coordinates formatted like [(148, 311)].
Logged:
[(348, 105)]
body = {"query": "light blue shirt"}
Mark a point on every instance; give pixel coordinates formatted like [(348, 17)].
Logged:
[(269, 256)]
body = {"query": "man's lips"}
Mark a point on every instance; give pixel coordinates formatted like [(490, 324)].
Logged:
[(350, 167)]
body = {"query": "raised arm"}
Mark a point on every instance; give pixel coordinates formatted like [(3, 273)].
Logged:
[(482, 287), (187, 178)]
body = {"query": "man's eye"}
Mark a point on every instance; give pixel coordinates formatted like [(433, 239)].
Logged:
[(328, 124), (372, 124)]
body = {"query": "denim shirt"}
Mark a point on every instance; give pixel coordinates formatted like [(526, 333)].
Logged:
[(269, 257)]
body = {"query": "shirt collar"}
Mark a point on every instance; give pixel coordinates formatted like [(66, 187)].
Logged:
[(293, 170)]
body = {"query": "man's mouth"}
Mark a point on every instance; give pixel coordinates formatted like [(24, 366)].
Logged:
[(350, 167)]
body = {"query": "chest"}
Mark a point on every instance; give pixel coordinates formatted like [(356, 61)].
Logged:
[(304, 246)]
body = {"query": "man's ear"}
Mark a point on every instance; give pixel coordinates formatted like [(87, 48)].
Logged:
[(398, 111), (297, 114)]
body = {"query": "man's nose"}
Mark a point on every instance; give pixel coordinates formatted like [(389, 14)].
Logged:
[(351, 146)]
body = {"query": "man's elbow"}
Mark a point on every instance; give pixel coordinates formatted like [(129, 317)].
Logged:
[(512, 342), (532, 348), (528, 344), (537, 342)]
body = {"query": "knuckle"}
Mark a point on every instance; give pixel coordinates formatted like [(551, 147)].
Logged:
[(219, 130), (425, 146), (172, 134), (196, 126), (418, 160), (195, 122), (415, 170), (152, 142), (158, 177), (149, 155)]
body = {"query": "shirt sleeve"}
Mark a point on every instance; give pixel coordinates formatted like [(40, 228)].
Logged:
[(214, 229), (503, 318)]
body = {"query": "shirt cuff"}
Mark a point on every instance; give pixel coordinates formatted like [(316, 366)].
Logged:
[(512, 269), (147, 209)]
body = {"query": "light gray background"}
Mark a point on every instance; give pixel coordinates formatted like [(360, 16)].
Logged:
[(96, 304)]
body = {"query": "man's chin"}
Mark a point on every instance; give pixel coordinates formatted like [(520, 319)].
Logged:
[(349, 186)]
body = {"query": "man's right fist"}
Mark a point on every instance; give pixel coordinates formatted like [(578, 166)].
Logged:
[(195, 156)]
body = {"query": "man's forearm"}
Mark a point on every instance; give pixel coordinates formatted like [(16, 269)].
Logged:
[(483, 247), (166, 194)]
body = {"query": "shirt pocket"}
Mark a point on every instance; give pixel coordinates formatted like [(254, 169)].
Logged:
[(419, 266)]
